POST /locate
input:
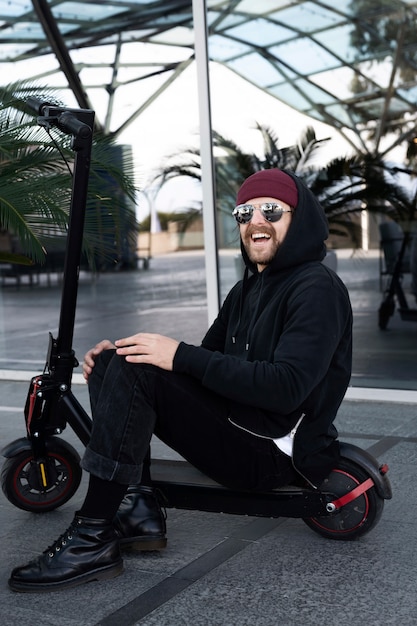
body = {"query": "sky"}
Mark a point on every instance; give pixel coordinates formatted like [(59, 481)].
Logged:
[(172, 123)]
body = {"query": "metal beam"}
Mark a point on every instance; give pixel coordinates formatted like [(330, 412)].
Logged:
[(391, 88), (59, 48), (179, 69), (111, 89)]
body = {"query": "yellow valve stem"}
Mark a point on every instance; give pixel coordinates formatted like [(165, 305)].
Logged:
[(43, 474)]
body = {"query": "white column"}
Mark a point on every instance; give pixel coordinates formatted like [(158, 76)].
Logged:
[(365, 230), (207, 161)]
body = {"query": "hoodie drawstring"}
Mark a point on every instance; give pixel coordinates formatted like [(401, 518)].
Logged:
[(255, 313), (241, 299)]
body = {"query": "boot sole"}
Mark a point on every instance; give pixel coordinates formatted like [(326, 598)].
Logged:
[(111, 571), (142, 544)]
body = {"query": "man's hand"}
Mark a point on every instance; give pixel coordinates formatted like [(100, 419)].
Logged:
[(148, 348), (90, 357)]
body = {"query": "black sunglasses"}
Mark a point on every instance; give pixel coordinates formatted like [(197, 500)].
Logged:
[(271, 211)]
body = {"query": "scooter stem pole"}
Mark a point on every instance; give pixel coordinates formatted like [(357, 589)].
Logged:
[(82, 146)]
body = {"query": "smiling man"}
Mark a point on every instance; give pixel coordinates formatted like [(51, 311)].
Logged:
[(252, 407), (265, 231)]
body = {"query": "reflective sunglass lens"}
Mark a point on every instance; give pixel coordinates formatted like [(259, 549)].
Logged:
[(271, 211), (243, 213)]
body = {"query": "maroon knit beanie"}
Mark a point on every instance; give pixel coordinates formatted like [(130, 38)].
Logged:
[(271, 183)]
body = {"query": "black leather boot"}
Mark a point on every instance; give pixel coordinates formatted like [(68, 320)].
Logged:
[(88, 550), (140, 522)]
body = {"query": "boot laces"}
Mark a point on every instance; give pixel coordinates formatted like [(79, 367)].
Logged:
[(63, 539)]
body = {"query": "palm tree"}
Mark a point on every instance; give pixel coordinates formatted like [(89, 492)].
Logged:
[(344, 186), (233, 164), (347, 186), (35, 185)]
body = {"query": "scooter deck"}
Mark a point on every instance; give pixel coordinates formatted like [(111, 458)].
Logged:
[(184, 487)]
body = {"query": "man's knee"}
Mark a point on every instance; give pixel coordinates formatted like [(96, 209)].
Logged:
[(101, 362), (98, 373)]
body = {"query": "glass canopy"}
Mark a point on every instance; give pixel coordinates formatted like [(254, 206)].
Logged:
[(351, 64)]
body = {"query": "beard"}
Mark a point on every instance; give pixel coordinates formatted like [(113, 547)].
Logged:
[(262, 255)]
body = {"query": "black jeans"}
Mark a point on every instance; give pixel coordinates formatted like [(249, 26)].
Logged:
[(131, 402)]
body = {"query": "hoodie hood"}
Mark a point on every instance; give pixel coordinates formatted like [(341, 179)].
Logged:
[(305, 239)]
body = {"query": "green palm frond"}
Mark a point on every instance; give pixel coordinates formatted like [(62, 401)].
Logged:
[(35, 182)]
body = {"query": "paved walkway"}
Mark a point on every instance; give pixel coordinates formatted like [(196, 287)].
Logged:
[(223, 570)]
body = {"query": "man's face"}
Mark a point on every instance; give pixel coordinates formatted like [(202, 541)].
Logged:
[(261, 238)]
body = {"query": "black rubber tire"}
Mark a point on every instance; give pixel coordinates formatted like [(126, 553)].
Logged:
[(386, 310), (355, 518), (20, 478)]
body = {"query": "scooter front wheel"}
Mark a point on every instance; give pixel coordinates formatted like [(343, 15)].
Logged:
[(355, 518), (385, 311), (38, 489)]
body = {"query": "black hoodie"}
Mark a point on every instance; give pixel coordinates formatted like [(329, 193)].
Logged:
[(281, 346)]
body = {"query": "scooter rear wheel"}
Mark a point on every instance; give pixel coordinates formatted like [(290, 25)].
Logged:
[(355, 518), (21, 479)]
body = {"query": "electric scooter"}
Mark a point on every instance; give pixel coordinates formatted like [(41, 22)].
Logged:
[(42, 471), (395, 291)]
